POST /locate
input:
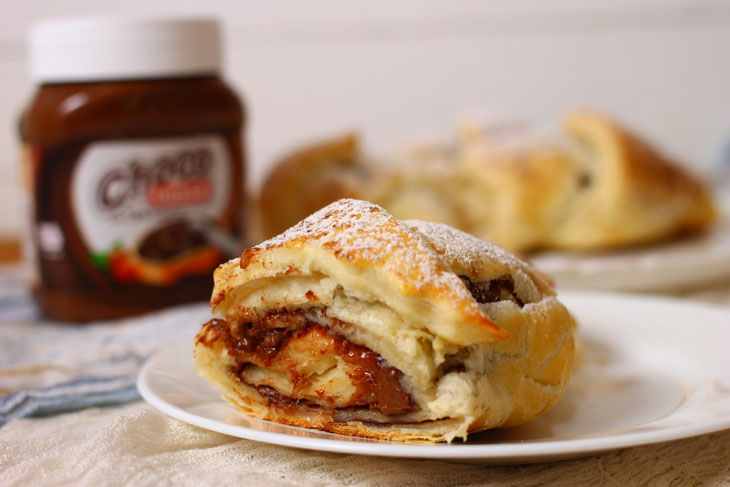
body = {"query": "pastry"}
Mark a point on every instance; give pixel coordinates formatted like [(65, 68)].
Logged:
[(601, 187), (416, 187), (354, 322), (308, 179), (631, 193), (598, 186)]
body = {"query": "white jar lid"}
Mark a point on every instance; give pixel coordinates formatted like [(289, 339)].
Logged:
[(123, 48)]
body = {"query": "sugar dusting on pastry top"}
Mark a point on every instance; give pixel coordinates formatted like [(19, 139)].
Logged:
[(343, 222), (462, 247), (362, 231), (422, 254)]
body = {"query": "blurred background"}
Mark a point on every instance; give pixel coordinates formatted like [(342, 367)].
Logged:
[(136, 194), (414, 68)]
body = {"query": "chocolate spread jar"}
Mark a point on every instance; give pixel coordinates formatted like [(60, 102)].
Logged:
[(134, 163)]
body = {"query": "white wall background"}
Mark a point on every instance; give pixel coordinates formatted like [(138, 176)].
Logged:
[(400, 69)]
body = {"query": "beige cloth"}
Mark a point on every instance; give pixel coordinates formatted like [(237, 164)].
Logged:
[(136, 445)]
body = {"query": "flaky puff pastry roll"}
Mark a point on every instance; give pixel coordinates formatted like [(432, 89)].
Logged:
[(603, 187), (356, 323)]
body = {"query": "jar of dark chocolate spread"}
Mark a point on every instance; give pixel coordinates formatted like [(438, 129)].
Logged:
[(133, 157)]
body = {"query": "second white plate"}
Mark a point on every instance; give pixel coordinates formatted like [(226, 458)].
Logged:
[(655, 370), (677, 265)]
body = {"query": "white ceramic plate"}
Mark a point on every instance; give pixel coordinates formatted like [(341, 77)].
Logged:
[(654, 370), (677, 265)]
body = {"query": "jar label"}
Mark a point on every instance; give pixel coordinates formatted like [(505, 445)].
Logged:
[(149, 210)]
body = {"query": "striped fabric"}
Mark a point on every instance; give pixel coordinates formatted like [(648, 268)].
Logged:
[(48, 367)]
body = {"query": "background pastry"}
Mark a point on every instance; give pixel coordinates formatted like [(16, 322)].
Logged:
[(309, 179), (418, 186), (356, 323), (597, 186)]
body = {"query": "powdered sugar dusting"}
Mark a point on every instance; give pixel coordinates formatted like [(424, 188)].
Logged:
[(458, 246), (364, 232)]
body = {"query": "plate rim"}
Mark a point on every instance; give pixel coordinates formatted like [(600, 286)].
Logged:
[(577, 270), (528, 451)]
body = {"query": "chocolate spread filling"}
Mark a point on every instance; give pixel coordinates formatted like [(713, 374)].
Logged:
[(377, 384), (499, 289)]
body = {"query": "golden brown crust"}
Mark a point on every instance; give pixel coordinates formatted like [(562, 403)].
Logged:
[(606, 189), (525, 188), (637, 195)]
